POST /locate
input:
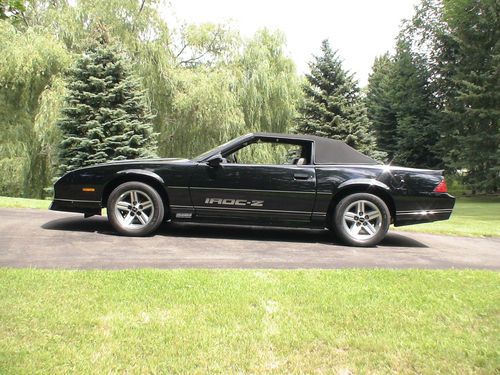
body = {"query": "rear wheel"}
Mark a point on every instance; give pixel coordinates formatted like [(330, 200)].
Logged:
[(135, 209), (361, 219)]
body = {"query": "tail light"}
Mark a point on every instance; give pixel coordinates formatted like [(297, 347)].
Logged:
[(441, 187)]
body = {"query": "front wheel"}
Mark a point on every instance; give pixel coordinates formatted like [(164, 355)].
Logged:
[(361, 219), (135, 209)]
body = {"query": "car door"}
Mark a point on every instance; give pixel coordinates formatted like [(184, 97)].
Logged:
[(258, 193)]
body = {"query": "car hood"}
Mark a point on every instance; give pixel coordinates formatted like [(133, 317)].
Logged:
[(132, 163), (145, 161)]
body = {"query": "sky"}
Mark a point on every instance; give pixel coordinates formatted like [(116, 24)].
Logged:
[(359, 29)]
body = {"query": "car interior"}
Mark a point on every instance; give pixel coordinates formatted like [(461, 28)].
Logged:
[(270, 152)]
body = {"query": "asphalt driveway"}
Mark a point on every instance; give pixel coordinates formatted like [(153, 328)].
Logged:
[(46, 239)]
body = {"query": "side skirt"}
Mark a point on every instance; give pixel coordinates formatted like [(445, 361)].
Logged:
[(187, 214)]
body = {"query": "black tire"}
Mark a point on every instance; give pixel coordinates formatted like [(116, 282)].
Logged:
[(139, 226), (373, 231)]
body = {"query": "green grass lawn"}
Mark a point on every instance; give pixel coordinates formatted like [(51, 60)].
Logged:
[(256, 321), (10, 202), (471, 216)]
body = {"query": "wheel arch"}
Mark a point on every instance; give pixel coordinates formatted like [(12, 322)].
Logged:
[(374, 187), (146, 177)]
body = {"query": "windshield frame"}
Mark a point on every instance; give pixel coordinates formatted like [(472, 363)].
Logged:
[(219, 149)]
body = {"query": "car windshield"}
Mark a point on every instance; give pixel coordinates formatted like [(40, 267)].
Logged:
[(214, 150), (206, 153)]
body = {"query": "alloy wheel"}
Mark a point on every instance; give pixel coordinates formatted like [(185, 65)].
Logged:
[(362, 220), (134, 209)]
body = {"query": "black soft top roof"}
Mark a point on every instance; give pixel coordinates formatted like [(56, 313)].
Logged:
[(326, 150)]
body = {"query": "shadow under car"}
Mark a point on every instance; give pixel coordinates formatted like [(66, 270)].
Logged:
[(238, 232)]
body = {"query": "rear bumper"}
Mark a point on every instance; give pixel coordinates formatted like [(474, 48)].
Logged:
[(436, 208), (81, 206)]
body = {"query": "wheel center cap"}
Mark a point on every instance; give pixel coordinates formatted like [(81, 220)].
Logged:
[(361, 219)]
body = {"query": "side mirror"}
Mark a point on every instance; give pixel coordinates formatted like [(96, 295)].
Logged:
[(215, 160)]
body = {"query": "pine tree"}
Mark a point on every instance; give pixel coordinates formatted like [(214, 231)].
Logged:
[(472, 81), (460, 40), (418, 128), (380, 106), (332, 106), (106, 115), (403, 109)]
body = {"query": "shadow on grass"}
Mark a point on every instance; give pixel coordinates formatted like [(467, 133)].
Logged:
[(234, 232)]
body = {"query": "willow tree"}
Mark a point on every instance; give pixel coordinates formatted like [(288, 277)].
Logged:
[(204, 84), (269, 86), (30, 88), (203, 109), (165, 59)]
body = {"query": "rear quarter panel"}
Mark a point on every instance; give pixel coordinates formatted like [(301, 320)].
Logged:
[(411, 190), (416, 200), (330, 180)]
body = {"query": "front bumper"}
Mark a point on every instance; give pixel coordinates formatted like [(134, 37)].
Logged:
[(81, 206)]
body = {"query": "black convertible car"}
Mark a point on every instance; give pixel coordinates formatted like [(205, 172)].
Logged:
[(261, 179)]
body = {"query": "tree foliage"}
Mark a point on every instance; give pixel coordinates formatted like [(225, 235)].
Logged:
[(473, 77), (204, 83), (417, 129), (105, 116), (439, 96), (268, 85), (12, 9), (332, 105), (205, 111), (460, 42), (30, 67), (435, 99), (402, 109), (380, 105)]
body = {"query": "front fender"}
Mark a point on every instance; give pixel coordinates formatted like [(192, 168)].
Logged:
[(141, 175), (141, 172)]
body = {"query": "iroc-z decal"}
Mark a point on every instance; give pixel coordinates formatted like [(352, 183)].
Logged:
[(234, 202)]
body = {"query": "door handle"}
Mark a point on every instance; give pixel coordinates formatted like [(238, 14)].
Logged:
[(301, 176)]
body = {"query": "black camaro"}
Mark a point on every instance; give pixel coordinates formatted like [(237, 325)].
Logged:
[(261, 179)]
